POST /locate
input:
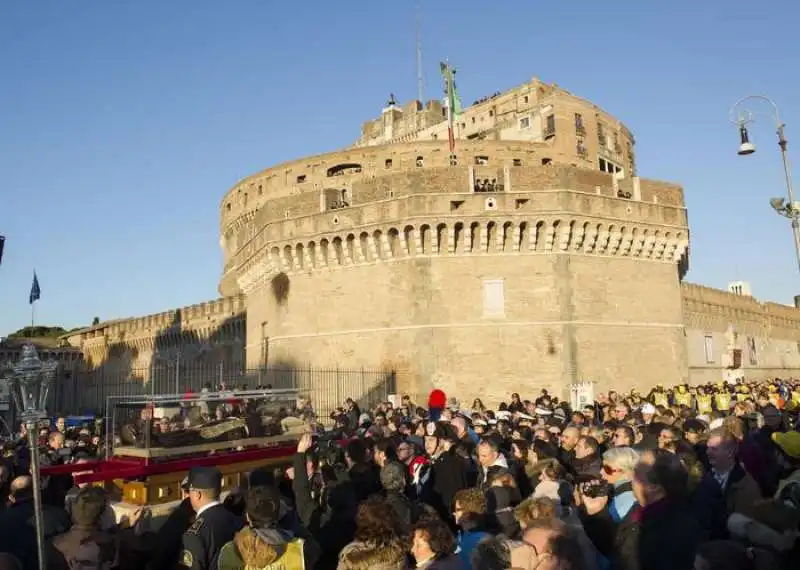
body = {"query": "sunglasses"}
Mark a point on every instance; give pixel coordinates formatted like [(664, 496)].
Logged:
[(608, 470)]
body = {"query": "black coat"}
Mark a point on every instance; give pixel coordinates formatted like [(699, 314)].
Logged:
[(664, 536), (206, 536), (18, 530), (443, 478), (333, 524), (407, 511), (601, 527), (170, 536), (366, 479), (712, 505)]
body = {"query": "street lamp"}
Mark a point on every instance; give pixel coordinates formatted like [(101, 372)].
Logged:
[(742, 117), (29, 382)]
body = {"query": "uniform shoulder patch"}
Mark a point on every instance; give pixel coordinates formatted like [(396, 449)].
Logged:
[(196, 526), (187, 559)]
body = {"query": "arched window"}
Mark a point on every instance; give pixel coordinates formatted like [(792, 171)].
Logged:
[(345, 168)]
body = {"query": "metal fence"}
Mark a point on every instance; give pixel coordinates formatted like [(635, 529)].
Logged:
[(86, 392)]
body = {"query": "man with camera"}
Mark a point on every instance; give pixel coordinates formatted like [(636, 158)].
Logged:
[(606, 503)]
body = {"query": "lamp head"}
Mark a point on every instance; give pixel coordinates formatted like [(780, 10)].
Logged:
[(746, 147), (29, 384), (778, 204)]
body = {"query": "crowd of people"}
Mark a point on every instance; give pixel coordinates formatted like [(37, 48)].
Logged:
[(681, 478)]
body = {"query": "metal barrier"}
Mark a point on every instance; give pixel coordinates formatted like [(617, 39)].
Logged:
[(327, 388)]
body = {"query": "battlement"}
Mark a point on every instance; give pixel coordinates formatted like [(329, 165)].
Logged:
[(703, 295), (705, 307), (198, 317)]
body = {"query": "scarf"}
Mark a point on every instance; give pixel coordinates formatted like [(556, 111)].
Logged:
[(272, 535)]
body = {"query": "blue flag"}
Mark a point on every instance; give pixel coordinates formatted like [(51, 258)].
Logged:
[(35, 291)]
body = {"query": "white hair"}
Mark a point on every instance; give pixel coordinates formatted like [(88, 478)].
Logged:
[(623, 458)]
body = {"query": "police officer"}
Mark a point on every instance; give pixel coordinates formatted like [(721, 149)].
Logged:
[(214, 525)]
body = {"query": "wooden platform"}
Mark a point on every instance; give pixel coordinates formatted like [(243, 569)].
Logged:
[(168, 452)]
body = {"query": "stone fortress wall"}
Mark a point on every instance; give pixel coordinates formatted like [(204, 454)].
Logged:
[(731, 334), (208, 332), (537, 258)]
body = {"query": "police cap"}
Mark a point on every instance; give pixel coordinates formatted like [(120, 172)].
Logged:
[(205, 479)]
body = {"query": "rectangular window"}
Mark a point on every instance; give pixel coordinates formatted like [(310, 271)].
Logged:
[(264, 343), (709, 348), (550, 126), (494, 300), (525, 123), (579, 129), (751, 348)]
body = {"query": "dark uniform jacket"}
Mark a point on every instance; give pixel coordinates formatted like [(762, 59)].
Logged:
[(18, 530), (204, 539)]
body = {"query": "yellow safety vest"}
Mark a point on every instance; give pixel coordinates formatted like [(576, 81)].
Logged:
[(683, 399), (723, 402), (704, 404), (290, 559), (660, 399)]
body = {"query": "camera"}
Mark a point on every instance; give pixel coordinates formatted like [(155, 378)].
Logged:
[(595, 489)]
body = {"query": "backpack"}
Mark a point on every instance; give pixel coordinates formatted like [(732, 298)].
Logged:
[(93, 556)]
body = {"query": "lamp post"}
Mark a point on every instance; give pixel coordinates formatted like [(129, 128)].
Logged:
[(742, 117), (29, 382)]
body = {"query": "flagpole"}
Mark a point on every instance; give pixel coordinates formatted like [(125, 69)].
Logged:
[(33, 313), (448, 89)]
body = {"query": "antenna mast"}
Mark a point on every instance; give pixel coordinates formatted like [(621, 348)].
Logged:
[(420, 83)]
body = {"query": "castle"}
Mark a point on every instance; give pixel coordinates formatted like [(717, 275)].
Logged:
[(533, 257)]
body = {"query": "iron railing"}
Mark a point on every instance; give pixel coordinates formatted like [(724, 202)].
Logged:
[(81, 393)]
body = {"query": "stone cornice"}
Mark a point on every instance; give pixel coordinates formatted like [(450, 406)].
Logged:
[(465, 237)]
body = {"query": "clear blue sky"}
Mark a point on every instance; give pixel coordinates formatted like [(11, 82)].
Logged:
[(123, 123)]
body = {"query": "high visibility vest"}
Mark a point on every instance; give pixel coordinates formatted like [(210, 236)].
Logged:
[(723, 402), (683, 399), (774, 398), (704, 404), (291, 558), (660, 399)]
